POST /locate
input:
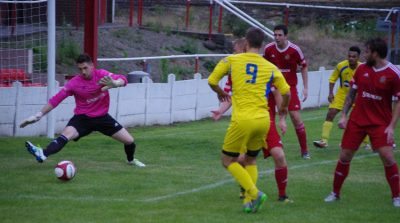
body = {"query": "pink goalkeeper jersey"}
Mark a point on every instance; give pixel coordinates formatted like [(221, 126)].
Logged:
[(286, 60), (375, 91), (89, 98)]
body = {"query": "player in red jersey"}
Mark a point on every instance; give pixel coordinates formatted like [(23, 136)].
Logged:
[(373, 86), (287, 57)]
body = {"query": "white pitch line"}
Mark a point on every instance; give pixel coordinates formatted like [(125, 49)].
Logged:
[(159, 198), (47, 197), (220, 183)]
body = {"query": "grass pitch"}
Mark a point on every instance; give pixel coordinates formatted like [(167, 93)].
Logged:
[(184, 180)]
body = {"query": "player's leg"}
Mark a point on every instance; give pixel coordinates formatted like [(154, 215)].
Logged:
[(385, 151), (254, 145), (300, 132), (233, 143), (275, 149), (281, 173), (238, 136), (241, 160), (294, 112), (70, 132), (326, 128), (391, 172), (110, 127), (366, 143), (351, 140)]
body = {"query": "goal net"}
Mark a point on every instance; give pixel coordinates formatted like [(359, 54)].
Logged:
[(23, 42)]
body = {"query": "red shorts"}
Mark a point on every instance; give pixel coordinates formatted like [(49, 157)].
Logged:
[(273, 139), (294, 103), (354, 134)]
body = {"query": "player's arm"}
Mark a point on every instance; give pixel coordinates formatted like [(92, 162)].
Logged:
[(223, 107), (347, 106), (53, 102), (332, 80), (282, 101), (222, 95), (304, 75), (331, 96), (219, 71), (111, 80), (284, 89), (36, 117), (392, 125)]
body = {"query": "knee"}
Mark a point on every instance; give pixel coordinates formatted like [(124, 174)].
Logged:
[(345, 157), (279, 159)]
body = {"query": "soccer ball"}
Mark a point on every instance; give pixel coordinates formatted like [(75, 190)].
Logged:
[(65, 170)]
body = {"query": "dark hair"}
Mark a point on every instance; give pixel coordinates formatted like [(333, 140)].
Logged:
[(355, 49), (255, 37), (283, 28), (84, 58), (377, 45)]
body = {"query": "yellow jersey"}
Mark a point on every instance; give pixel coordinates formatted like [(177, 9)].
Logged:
[(252, 78), (344, 73)]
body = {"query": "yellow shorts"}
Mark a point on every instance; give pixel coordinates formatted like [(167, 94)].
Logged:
[(338, 101), (246, 135)]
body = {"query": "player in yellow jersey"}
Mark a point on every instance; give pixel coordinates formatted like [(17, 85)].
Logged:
[(252, 77), (343, 72)]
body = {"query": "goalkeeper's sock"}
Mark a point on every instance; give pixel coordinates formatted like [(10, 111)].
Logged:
[(55, 146), (130, 151)]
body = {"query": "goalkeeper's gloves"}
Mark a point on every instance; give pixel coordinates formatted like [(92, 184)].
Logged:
[(31, 119), (108, 83)]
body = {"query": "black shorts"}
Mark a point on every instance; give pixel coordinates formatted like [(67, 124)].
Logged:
[(85, 125)]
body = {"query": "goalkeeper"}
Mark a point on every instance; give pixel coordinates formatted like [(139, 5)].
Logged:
[(90, 90)]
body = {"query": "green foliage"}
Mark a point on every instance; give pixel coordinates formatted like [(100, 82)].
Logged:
[(67, 51), (188, 47), (164, 70), (235, 25), (40, 58), (210, 65), (340, 28), (180, 71), (155, 26), (121, 33)]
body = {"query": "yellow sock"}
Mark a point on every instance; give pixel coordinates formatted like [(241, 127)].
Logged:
[(253, 172), (243, 178), (366, 140), (326, 130)]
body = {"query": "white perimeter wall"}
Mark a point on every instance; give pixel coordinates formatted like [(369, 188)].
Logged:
[(136, 104)]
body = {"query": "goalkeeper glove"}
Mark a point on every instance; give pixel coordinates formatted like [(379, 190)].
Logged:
[(31, 119), (108, 83)]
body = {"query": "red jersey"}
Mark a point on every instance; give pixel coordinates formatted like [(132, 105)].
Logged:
[(286, 60), (375, 91)]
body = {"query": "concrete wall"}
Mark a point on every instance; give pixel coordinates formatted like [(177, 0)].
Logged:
[(136, 104)]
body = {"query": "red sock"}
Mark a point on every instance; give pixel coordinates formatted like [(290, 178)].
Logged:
[(341, 172), (392, 177), (302, 137), (281, 180)]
